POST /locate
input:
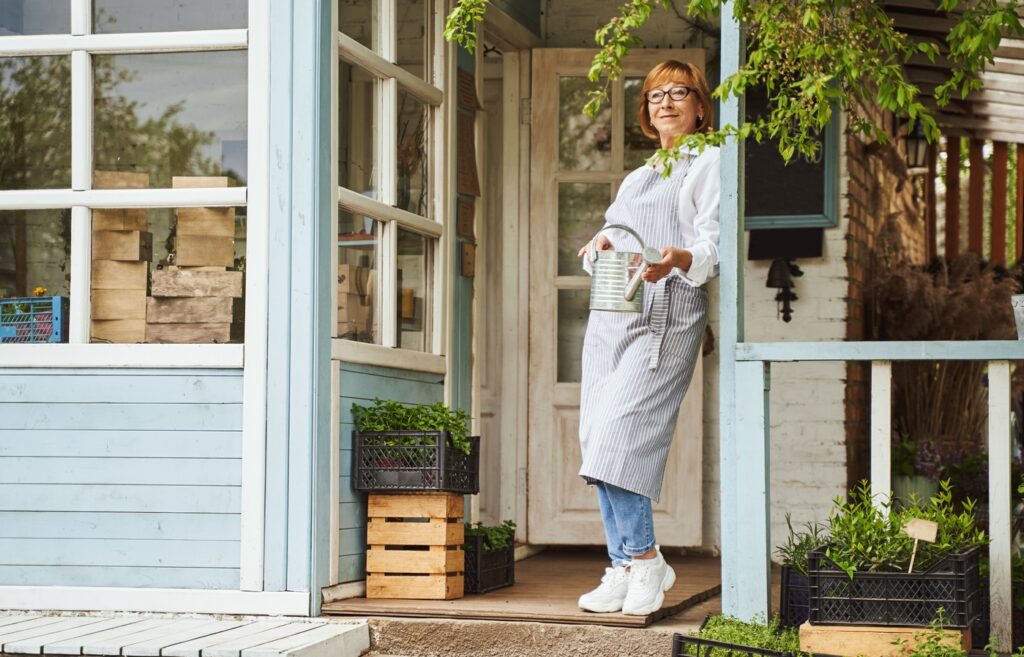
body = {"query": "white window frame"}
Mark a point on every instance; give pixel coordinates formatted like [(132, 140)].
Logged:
[(391, 77), (80, 45)]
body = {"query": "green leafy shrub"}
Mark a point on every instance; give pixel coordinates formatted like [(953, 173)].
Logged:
[(813, 536), (752, 635), (389, 415), (496, 537)]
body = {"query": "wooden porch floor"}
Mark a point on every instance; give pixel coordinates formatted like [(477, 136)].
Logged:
[(546, 589)]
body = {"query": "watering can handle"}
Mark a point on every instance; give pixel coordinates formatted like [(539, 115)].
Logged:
[(593, 241)]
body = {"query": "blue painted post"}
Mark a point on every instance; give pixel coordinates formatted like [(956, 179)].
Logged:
[(731, 309), (752, 550)]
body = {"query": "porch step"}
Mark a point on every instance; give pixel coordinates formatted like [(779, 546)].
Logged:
[(408, 637)]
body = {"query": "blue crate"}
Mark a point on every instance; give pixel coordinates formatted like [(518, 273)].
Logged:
[(34, 319)]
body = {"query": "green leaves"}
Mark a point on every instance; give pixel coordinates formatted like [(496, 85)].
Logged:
[(496, 537), (389, 415), (462, 23)]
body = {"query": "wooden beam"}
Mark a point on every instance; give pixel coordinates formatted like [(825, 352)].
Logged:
[(1018, 214), (999, 164), (976, 197), (952, 197), (931, 240)]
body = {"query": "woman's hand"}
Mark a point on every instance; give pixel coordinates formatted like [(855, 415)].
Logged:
[(603, 244), (671, 257)]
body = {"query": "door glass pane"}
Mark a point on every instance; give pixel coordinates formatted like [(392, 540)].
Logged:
[(358, 277), (573, 309), (581, 208), (414, 290), (584, 144), (34, 17), (411, 29), (35, 122), (637, 147), (412, 193), (358, 19), (356, 130), (168, 15), (177, 114)]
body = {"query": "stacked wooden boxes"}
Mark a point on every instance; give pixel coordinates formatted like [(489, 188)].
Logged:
[(193, 300), (121, 250), (355, 302), (415, 542)]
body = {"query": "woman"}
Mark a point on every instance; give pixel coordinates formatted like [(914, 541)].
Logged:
[(637, 366)]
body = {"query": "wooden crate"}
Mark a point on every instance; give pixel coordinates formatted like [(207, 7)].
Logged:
[(119, 304), (120, 219), (188, 333), (203, 251), (119, 180), (186, 310), (854, 640), (177, 282), (212, 222), (119, 331), (124, 245), (415, 542), (117, 275)]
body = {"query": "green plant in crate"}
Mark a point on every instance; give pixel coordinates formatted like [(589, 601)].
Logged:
[(496, 537), (390, 415), (771, 636), (812, 536)]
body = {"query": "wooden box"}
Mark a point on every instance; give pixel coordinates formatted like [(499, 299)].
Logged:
[(188, 333), (119, 304), (117, 275), (119, 331), (415, 542), (877, 641), (204, 251), (177, 282), (186, 310), (120, 219), (119, 180), (212, 222), (199, 181), (125, 245)]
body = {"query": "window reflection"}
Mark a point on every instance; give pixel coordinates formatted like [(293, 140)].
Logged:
[(35, 252), (356, 130), (573, 311), (411, 30), (358, 277), (34, 17), (179, 114), (35, 122), (584, 143), (412, 193), (414, 290), (358, 19), (168, 15)]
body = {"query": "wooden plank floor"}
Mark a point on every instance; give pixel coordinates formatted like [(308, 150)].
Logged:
[(134, 636), (546, 589)]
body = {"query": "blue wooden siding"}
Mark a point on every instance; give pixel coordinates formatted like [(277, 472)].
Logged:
[(120, 478), (361, 384)]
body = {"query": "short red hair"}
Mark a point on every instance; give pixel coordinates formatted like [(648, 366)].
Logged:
[(672, 70)]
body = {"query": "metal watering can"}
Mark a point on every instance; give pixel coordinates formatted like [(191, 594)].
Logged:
[(612, 287)]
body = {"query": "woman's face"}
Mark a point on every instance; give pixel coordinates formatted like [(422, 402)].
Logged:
[(672, 118)]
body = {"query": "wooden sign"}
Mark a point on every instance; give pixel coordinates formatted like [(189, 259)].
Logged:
[(920, 529), (464, 215), (468, 260)]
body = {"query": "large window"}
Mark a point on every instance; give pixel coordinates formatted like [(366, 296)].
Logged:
[(123, 167), (389, 160)]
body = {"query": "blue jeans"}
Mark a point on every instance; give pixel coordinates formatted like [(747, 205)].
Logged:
[(628, 522)]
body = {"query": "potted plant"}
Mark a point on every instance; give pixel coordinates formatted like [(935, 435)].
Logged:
[(794, 603), (862, 578), (490, 556), (427, 447)]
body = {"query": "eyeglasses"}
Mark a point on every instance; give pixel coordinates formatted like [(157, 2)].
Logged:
[(677, 94)]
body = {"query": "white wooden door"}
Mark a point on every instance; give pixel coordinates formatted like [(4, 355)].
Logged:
[(577, 164)]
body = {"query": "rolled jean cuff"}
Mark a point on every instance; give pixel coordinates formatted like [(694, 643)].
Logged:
[(636, 552), (619, 562)]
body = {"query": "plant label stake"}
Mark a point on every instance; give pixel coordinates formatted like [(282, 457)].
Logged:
[(920, 529)]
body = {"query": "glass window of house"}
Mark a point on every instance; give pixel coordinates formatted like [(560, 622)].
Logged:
[(413, 189), (167, 275), (412, 42), (357, 124), (358, 277), (35, 122), (168, 15), (22, 17), (414, 290), (359, 20), (35, 263), (166, 115)]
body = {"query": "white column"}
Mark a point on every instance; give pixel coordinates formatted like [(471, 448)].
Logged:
[(999, 503), (881, 430)]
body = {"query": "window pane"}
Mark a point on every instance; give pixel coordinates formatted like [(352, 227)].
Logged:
[(358, 19), (168, 275), (358, 277), (411, 34), (414, 290), (180, 114), (573, 310), (356, 130), (413, 179), (35, 17), (35, 122), (581, 209), (638, 147), (168, 15), (584, 143), (35, 252)]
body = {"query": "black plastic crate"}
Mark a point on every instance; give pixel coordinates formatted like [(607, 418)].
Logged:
[(488, 570), (980, 628), (691, 646), (381, 467), (910, 599), (795, 603)]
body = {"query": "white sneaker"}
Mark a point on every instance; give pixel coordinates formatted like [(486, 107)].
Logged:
[(648, 581), (608, 596)]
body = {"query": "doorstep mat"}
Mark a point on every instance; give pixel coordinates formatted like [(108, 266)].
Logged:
[(546, 589)]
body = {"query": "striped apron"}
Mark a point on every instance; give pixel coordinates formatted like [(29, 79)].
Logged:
[(637, 366)]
